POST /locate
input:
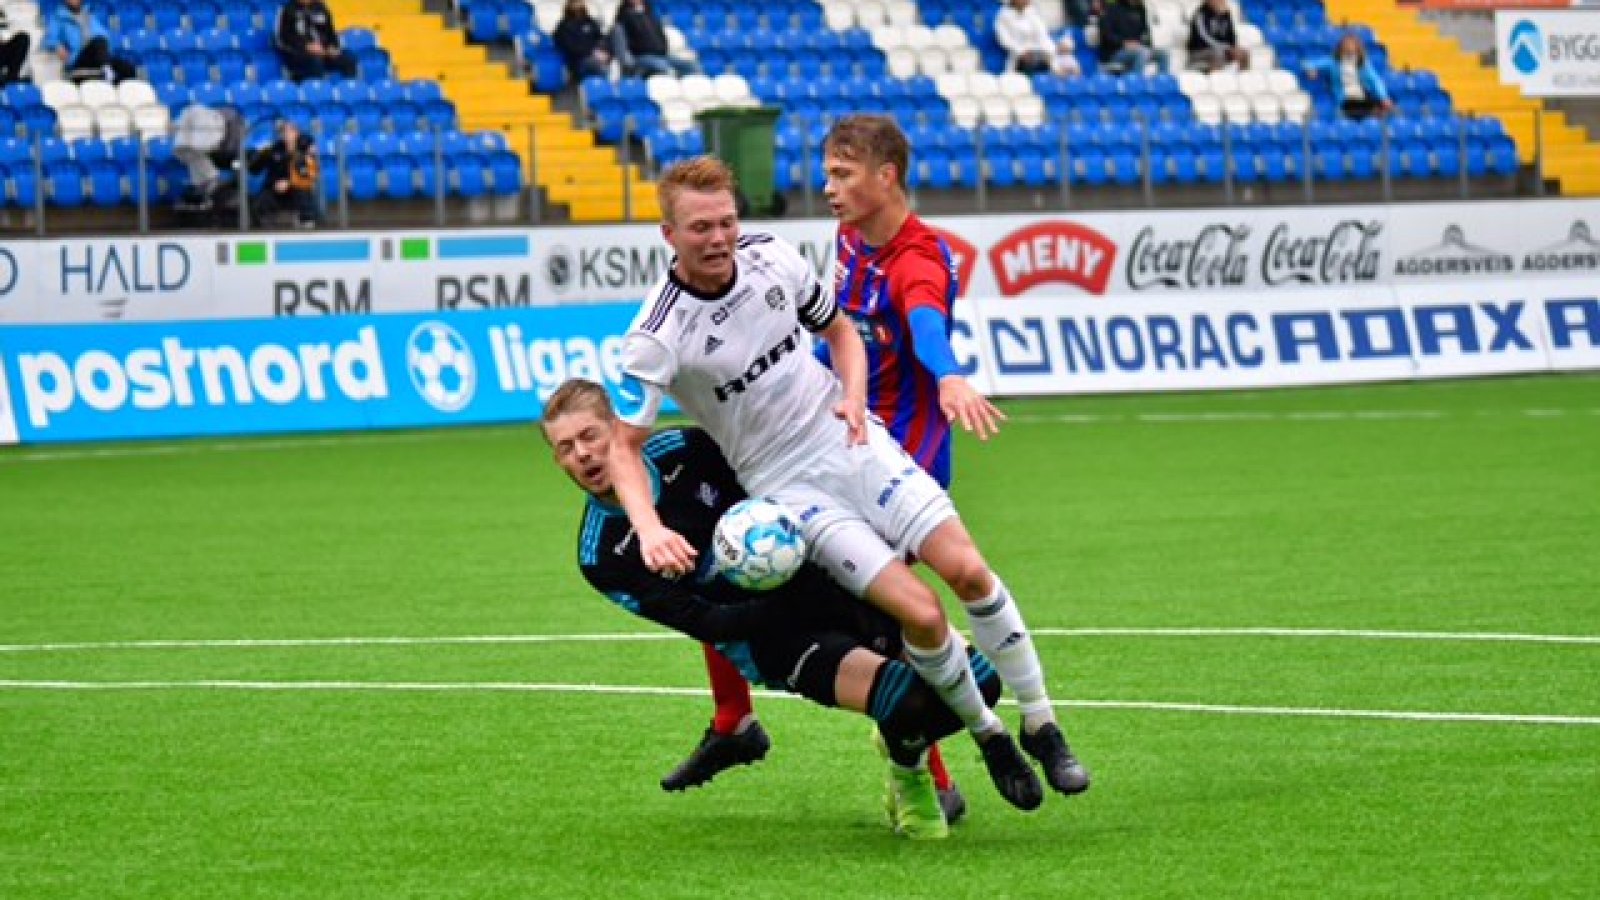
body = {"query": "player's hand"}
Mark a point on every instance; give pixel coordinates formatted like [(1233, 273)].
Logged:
[(666, 552), (962, 404), (854, 414)]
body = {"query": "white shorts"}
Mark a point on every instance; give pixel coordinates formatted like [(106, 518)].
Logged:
[(864, 507)]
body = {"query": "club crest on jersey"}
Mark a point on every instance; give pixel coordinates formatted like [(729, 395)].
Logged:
[(775, 297), (708, 495), (712, 343)]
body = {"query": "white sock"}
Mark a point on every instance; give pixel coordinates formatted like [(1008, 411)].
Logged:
[(998, 630), (947, 670)]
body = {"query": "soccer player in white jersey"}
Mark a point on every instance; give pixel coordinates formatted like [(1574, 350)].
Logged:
[(724, 333)]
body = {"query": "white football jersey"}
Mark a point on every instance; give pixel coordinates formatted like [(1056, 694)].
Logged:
[(740, 363)]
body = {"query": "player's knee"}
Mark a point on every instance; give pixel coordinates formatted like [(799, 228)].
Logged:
[(970, 578), (915, 606), (924, 623)]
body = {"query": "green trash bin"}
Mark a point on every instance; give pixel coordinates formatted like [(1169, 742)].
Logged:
[(743, 137)]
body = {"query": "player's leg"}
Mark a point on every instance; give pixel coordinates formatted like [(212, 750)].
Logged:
[(950, 799), (730, 692), (735, 738), (883, 506), (873, 685), (999, 631)]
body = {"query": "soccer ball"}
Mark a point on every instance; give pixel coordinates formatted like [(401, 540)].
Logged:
[(758, 545), (441, 365)]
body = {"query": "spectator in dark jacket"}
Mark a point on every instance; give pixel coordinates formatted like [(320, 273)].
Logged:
[(582, 42), (640, 41), (1125, 42), (78, 36), (13, 51), (308, 42), (1213, 41), (292, 171)]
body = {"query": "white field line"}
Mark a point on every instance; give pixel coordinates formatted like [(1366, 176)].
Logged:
[(652, 691), (200, 446), (625, 637), (1342, 415)]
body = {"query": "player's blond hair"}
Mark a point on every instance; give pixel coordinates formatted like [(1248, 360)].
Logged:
[(871, 140), (576, 395), (704, 174)]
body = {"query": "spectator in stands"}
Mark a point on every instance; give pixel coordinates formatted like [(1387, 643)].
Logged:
[(582, 42), (639, 40), (1358, 90), (308, 42), (1022, 31), (1125, 42), (206, 140), (1213, 41), (292, 169), (1076, 12), (13, 51), (78, 36)]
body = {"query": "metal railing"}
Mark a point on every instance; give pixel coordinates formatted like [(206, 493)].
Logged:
[(436, 202)]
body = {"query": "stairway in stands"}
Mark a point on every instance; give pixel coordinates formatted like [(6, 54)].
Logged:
[(1416, 43), (574, 171)]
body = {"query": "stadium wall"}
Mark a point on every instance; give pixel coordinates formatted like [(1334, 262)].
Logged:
[(112, 338)]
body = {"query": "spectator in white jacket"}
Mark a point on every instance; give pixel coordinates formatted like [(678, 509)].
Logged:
[(1022, 31)]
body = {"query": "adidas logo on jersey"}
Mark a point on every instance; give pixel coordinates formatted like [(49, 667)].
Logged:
[(712, 343)]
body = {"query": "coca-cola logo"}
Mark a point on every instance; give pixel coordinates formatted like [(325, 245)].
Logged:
[(1348, 252), (1053, 252), (1213, 258), (963, 258)]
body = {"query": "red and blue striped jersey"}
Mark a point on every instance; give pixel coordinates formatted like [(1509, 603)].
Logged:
[(878, 287)]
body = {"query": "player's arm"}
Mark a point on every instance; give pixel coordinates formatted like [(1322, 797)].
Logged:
[(664, 550), (647, 366), (819, 314), (922, 292), (679, 608), (848, 355)]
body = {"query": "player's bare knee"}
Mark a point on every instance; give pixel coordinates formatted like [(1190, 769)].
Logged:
[(923, 619), (970, 577)]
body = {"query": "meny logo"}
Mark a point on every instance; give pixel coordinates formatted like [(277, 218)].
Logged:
[(171, 373), (1064, 252)]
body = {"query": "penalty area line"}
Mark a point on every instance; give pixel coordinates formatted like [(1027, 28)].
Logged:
[(652, 691)]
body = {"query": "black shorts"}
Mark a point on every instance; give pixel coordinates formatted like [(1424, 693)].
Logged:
[(806, 660)]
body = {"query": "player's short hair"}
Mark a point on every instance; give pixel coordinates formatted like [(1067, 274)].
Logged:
[(577, 395), (705, 174), (871, 140)]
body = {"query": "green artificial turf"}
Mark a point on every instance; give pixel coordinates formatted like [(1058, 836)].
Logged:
[(1227, 763)]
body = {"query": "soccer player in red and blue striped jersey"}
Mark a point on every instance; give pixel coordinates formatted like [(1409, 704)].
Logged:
[(897, 281)]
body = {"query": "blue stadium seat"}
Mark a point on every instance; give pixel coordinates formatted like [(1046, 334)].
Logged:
[(106, 184), (368, 117), (209, 93), (64, 183), (361, 174), (469, 175), (506, 171), (403, 118), (240, 15)]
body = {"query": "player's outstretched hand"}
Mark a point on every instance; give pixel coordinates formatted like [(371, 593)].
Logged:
[(666, 553), (854, 414), (963, 404)]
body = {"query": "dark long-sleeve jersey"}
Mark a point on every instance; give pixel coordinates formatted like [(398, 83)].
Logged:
[(693, 486)]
